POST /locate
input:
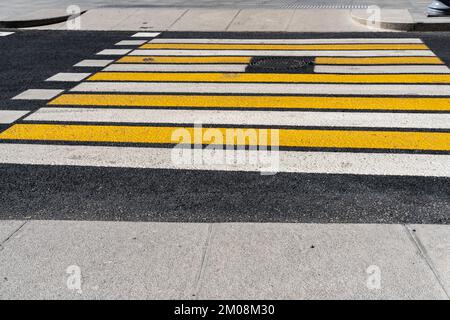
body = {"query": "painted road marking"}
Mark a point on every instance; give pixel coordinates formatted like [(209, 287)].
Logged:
[(265, 88), (188, 46), (38, 94), (268, 102), (4, 34), (392, 140), (146, 34), (268, 77), (131, 42), (266, 118), (298, 161), (69, 77), (9, 116), (379, 60), (177, 67), (289, 41), (381, 69), (282, 53), (93, 63), (114, 52), (176, 59)]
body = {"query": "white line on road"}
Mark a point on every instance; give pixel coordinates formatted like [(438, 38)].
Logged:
[(9, 116), (290, 53), (177, 67), (289, 41), (381, 69), (38, 94), (266, 88), (93, 63), (130, 42), (69, 77), (114, 52), (265, 118), (289, 161), (4, 34), (146, 34)]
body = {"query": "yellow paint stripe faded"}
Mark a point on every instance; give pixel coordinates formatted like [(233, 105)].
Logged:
[(268, 77), (196, 60), (269, 102), (435, 141), (189, 46), (379, 60)]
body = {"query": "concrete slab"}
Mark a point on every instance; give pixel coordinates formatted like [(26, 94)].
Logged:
[(117, 260), (261, 20), (324, 20), (151, 19), (205, 20), (7, 228), (106, 18), (310, 261), (435, 243)]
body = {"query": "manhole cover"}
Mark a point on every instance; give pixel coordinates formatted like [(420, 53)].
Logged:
[(281, 65)]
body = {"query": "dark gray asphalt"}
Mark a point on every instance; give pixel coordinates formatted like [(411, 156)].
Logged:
[(46, 192)]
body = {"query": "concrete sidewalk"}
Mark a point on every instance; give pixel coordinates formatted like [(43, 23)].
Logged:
[(223, 261), (236, 19)]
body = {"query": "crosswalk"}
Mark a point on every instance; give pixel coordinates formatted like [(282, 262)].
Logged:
[(5, 33), (370, 106)]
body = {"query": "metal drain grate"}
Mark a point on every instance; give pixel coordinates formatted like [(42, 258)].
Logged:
[(281, 65)]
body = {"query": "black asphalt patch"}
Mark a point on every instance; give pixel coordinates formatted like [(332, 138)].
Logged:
[(90, 193)]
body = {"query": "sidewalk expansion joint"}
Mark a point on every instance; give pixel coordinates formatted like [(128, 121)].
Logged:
[(199, 277), (423, 253), (2, 244)]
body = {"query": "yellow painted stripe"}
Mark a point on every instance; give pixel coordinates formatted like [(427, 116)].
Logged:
[(379, 60), (270, 102), (437, 141), (284, 46), (269, 77), (155, 59)]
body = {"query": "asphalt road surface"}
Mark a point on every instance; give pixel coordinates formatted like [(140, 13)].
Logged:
[(362, 124)]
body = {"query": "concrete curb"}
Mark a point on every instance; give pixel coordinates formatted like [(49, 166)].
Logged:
[(398, 20), (35, 22)]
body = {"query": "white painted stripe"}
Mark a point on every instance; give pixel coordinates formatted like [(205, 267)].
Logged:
[(289, 41), (264, 118), (69, 77), (9, 116), (290, 53), (264, 88), (93, 63), (114, 52), (4, 34), (381, 69), (289, 161), (38, 94), (177, 67), (131, 42), (146, 34)]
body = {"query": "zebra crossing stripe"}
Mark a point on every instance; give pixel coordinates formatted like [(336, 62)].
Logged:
[(282, 53), (187, 46), (429, 165), (378, 60), (381, 69), (341, 139), (269, 77), (289, 41), (176, 67), (254, 102), (9, 116), (187, 60), (265, 88), (240, 117)]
